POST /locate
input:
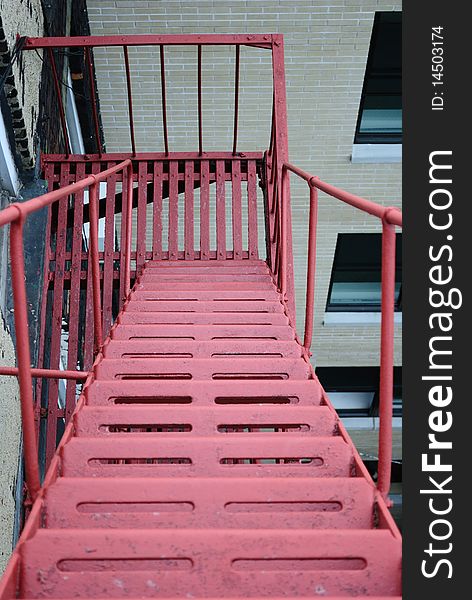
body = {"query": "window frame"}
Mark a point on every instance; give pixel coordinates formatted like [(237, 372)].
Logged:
[(374, 138), (363, 307)]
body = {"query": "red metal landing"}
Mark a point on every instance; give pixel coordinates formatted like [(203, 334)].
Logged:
[(205, 461)]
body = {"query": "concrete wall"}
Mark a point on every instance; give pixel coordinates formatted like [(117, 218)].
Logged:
[(326, 47), (10, 436), (24, 18)]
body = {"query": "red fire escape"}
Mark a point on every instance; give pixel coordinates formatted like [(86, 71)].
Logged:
[(202, 458)]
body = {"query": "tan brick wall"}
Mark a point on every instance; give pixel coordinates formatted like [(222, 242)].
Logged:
[(326, 46)]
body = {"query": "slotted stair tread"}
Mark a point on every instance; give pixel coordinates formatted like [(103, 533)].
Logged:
[(196, 276), (280, 393), (202, 349), (269, 503), (197, 368), (204, 420), (214, 306), (220, 563), (204, 285), (203, 332), (212, 456), (199, 318), (205, 295), (205, 461)]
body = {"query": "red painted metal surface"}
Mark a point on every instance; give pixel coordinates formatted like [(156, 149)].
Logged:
[(199, 96), (163, 100), (390, 217), (236, 99), (259, 40), (47, 373), (130, 101), (199, 456), (96, 125), (202, 458), (15, 215), (150, 185)]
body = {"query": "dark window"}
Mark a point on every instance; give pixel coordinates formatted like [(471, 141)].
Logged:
[(380, 112), (354, 391), (356, 276)]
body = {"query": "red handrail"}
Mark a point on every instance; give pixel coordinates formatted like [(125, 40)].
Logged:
[(390, 217), (48, 373), (15, 215), (271, 42)]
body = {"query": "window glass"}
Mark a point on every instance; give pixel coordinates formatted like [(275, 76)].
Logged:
[(356, 275), (380, 112)]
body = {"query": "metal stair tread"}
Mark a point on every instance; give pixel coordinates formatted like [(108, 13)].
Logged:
[(269, 503), (205, 420), (290, 391), (210, 455), (179, 562)]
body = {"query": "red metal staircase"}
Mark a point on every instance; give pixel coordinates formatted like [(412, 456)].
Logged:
[(203, 458), (205, 461)]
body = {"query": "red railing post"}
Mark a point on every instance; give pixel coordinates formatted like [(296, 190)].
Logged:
[(24, 357), (163, 97), (94, 257), (199, 94), (62, 114), (236, 101), (283, 231), (386, 358), (130, 100), (128, 229), (93, 99), (281, 148), (390, 217), (311, 270)]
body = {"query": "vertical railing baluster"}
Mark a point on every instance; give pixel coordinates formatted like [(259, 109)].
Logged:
[(200, 125), (236, 100), (93, 98), (164, 105), (62, 114), (283, 231), (130, 100), (311, 271), (23, 356), (128, 230), (386, 358), (94, 257)]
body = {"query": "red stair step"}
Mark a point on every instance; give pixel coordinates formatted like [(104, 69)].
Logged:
[(206, 284), (200, 368), (212, 264), (215, 306), (196, 318), (210, 456), (193, 275), (199, 503), (202, 332), (204, 420), (206, 295), (219, 563), (233, 349), (199, 393)]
